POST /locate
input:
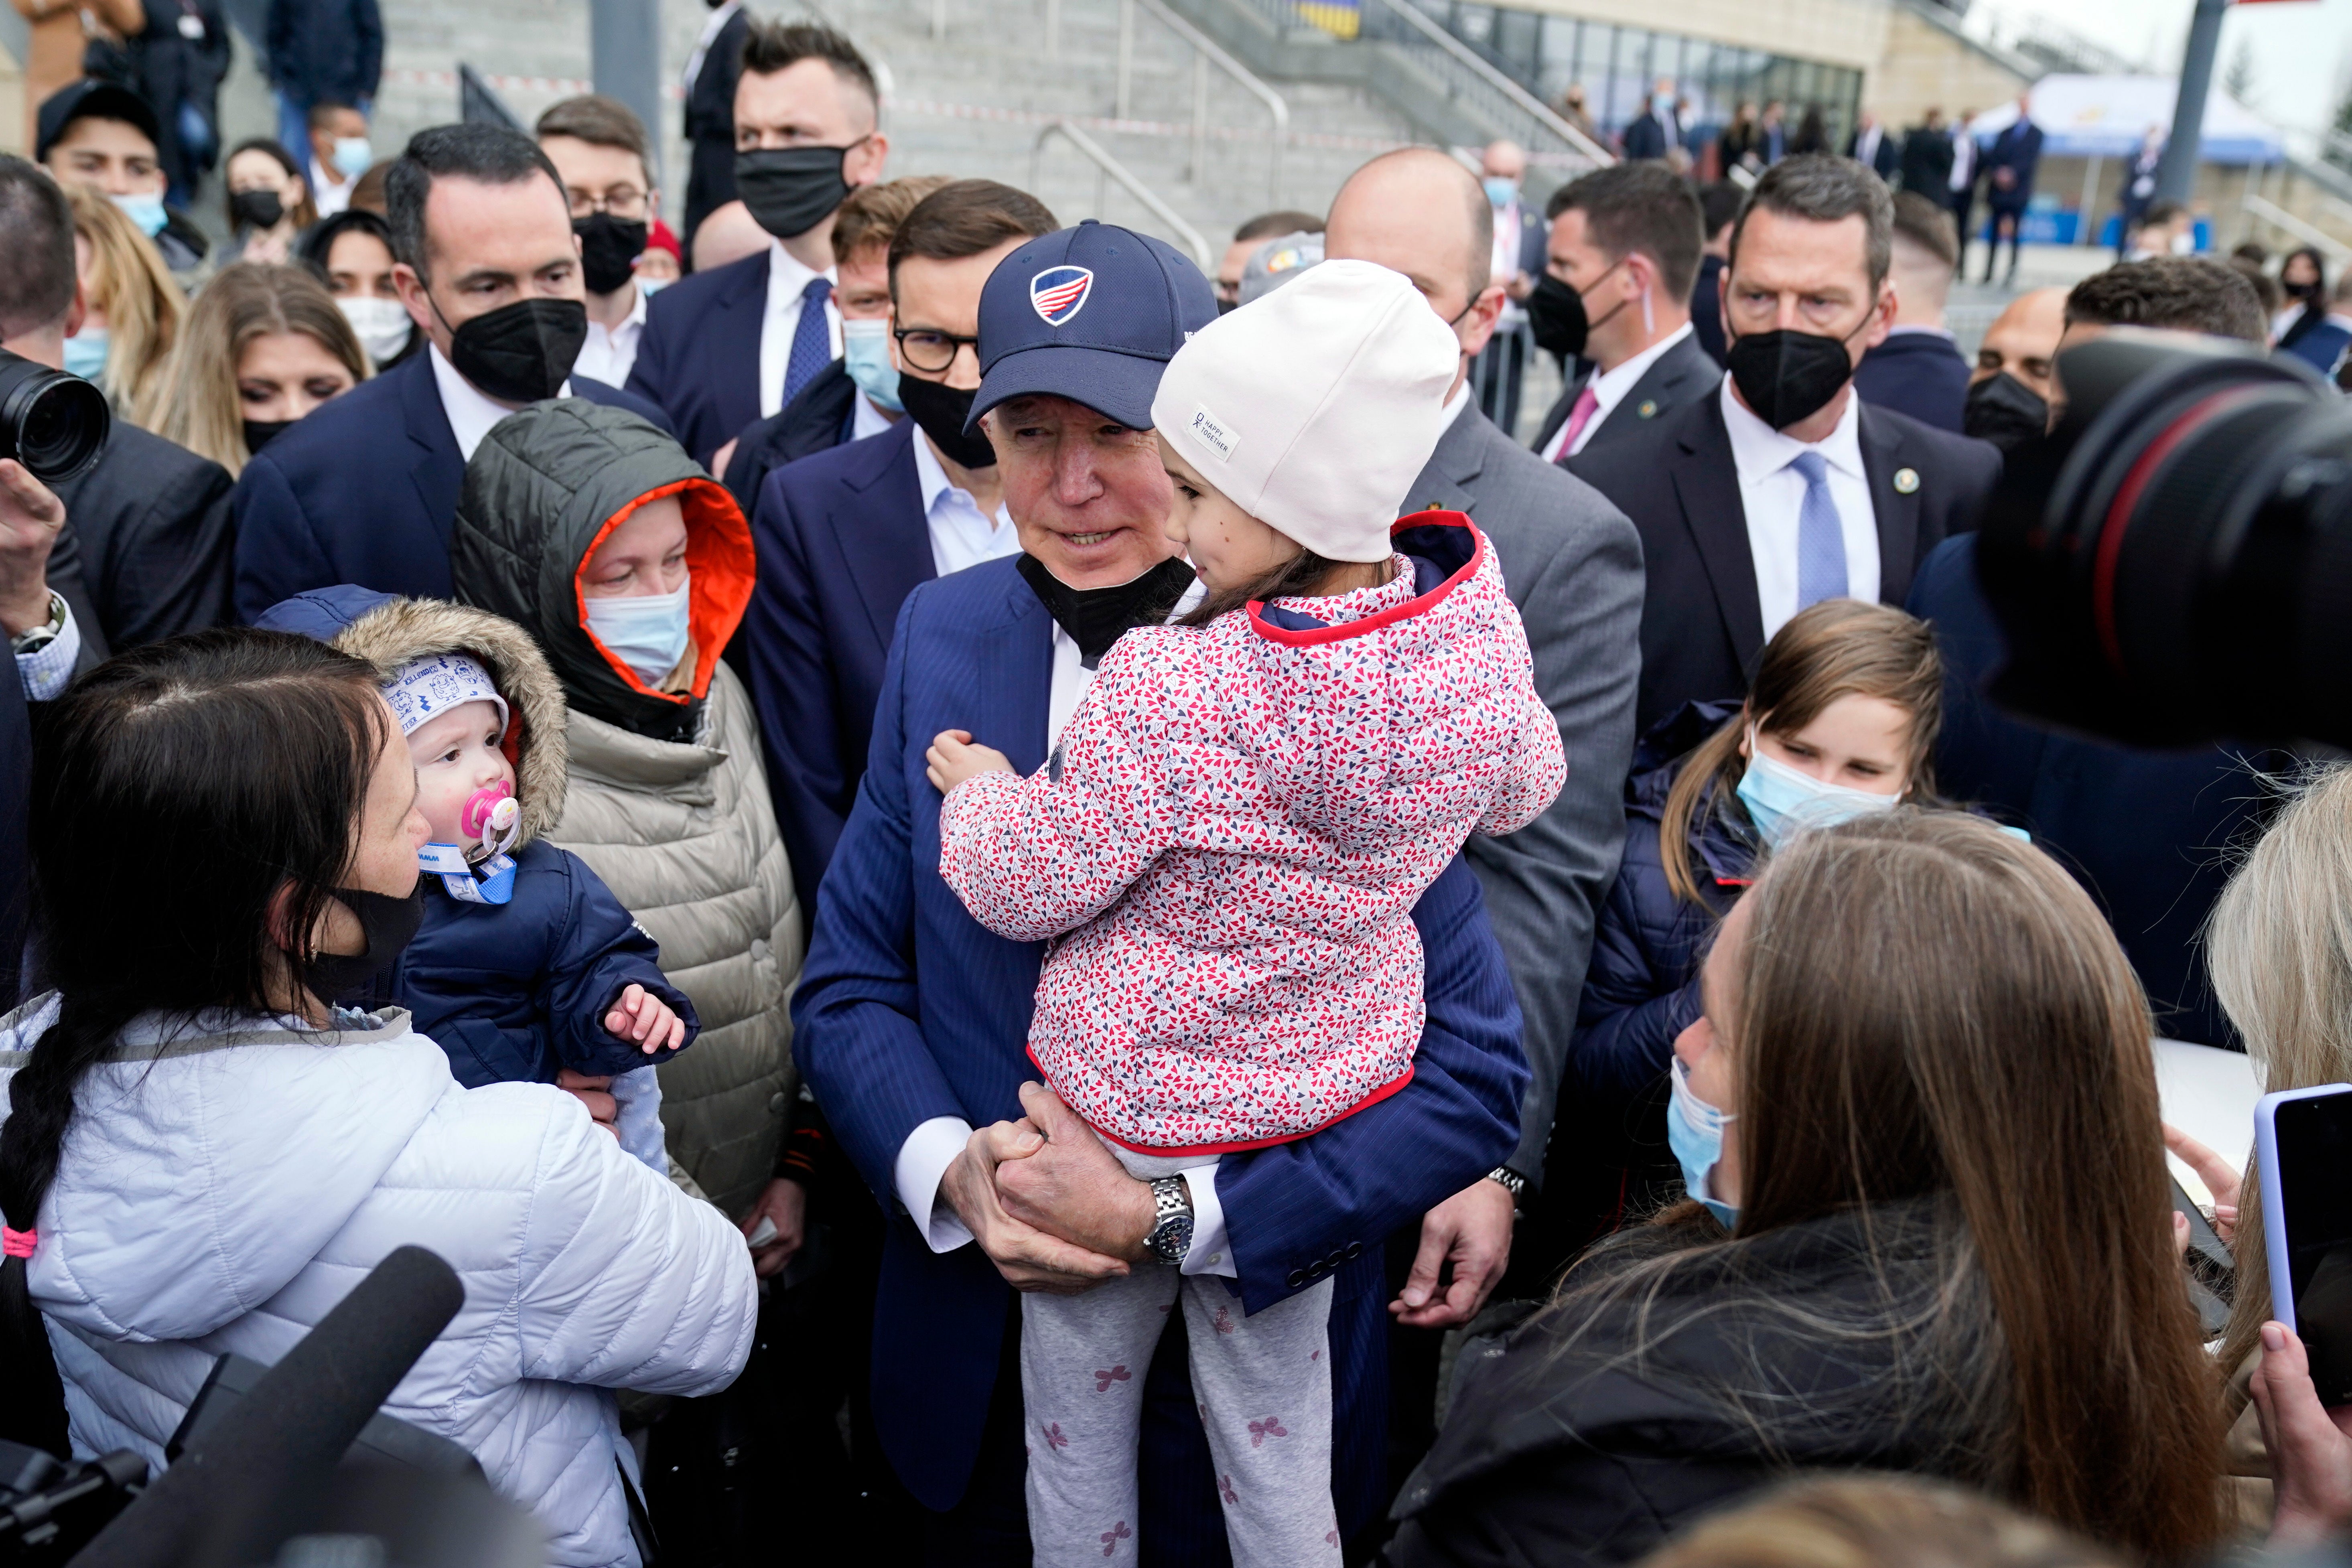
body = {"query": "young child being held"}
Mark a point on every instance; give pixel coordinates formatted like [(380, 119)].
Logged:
[(524, 967), (1228, 842)]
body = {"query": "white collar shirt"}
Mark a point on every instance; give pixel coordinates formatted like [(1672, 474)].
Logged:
[(961, 534), (712, 28), (865, 419), (1772, 495), (609, 351), (1865, 146), (470, 413), (787, 279), (1964, 161), (325, 195), (1609, 390)]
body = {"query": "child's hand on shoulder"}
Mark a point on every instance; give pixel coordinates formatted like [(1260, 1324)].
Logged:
[(642, 1016), (953, 758)]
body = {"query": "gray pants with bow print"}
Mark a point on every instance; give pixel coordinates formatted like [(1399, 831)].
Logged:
[(1263, 1384)]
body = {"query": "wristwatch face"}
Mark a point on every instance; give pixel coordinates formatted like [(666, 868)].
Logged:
[(1171, 1238)]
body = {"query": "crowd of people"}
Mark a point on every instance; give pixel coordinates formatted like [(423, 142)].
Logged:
[(1020, 905)]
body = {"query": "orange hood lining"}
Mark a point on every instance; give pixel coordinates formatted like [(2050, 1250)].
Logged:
[(719, 563)]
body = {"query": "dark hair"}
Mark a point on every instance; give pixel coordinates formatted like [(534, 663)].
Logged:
[(1643, 206), (1821, 188), (1301, 574), (1274, 225), (873, 212), (323, 111), (2255, 251), (2190, 293), (1928, 225), (2164, 210), (2266, 288), (317, 242), (599, 121), (304, 214), (770, 46), (966, 219), (37, 248), (493, 154), (178, 788), (1719, 204)]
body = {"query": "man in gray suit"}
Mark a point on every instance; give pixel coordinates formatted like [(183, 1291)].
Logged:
[(1572, 564)]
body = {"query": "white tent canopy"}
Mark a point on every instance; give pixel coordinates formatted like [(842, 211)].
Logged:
[(2107, 116)]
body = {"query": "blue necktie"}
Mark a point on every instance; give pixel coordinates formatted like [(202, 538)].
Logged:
[(1821, 537), (811, 339)]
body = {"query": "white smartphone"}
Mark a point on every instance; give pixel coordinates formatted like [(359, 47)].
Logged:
[(2303, 1150), (763, 1233)]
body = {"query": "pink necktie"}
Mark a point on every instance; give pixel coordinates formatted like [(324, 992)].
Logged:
[(1578, 417)]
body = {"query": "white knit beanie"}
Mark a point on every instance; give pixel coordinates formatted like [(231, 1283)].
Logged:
[(1313, 408)]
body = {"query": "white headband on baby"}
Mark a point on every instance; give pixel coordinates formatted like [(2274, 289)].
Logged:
[(427, 688)]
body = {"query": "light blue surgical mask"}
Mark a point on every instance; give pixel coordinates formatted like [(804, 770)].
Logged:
[(865, 355), (353, 155), (1500, 192), (147, 212), (649, 286), (648, 632), (1781, 800), (1695, 1133), (1662, 104), (86, 353)]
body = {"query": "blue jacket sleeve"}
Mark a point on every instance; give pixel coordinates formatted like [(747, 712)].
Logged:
[(278, 553), (601, 952), (370, 63), (1291, 1207), (1637, 996), (792, 686), (856, 1033)]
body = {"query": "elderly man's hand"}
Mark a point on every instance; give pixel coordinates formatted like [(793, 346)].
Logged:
[(1072, 1188), (31, 517), (1028, 1257), (1473, 1228)]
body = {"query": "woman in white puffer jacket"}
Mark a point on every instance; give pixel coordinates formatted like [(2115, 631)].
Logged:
[(204, 1154)]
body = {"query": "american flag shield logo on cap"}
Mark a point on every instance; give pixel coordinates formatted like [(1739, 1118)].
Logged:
[(1060, 293)]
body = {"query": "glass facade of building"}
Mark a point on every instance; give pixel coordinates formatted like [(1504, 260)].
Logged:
[(1617, 67)]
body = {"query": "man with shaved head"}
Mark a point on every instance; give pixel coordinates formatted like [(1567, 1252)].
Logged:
[(1515, 239), (1572, 564)]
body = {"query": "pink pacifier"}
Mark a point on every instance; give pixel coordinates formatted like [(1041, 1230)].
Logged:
[(494, 815)]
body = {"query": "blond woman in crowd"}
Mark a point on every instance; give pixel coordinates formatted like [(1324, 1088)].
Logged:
[(132, 307), (262, 346)]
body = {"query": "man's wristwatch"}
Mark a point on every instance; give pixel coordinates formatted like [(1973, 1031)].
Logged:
[(1513, 1183), (1171, 1219), (35, 638)]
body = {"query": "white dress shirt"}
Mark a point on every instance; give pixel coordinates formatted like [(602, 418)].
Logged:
[(786, 279), (865, 419), (1865, 146), (1772, 493), (924, 1158), (710, 30), (326, 196), (961, 534), (1609, 390), (609, 351), (470, 413), (1505, 261), (1964, 161)]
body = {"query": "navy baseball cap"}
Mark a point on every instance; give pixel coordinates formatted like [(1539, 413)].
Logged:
[(89, 98), (1093, 314)]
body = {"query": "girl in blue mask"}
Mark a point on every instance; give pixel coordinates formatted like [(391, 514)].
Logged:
[(1841, 722)]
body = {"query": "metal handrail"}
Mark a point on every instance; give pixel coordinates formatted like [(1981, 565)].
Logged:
[(1204, 49), (2278, 217), (1128, 182), (1518, 97)]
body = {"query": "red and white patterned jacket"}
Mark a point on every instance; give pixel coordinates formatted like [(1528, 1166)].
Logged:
[(1231, 836)]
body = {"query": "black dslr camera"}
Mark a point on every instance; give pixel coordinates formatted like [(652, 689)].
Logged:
[(2172, 564), (53, 422)]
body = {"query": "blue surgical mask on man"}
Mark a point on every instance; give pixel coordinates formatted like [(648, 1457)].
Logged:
[(353, 155), (1695, 1133), (146, 211), (86, 353), (648, 632), (1501, 192), (866, 356), (1781, 799)]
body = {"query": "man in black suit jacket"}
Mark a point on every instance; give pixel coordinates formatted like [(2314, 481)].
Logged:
[(710, 74), (487, 267), (1918, 370), (1871, 146), (1626, 238), (735, 344), (1928, 159), (1747, 519)]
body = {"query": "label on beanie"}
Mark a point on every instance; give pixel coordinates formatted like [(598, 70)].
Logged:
[(1215, 435)]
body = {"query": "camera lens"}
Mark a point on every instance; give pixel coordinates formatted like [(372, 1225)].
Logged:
[(53, 422), (2173, 564)]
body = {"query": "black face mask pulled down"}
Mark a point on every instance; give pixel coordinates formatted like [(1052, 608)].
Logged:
[(2006, 412), (791, 190), (609, 248), (1097, 618), (520, 353), (259, 433), (940, 411), (1786, 377), (256, 209), (387, 923)]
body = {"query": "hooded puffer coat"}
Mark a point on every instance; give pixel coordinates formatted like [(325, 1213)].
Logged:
[(225, 1183), (511, 991), (1233, 831), (669, 798)]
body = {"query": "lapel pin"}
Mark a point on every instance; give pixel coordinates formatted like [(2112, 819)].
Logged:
[(1906, 481), (1649, 409)]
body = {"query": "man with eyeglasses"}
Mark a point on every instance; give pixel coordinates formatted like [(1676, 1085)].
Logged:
[(733, 345), (598, 146), (844, 536)]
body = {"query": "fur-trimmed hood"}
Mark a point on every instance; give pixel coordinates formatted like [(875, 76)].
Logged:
[(389, 632)]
